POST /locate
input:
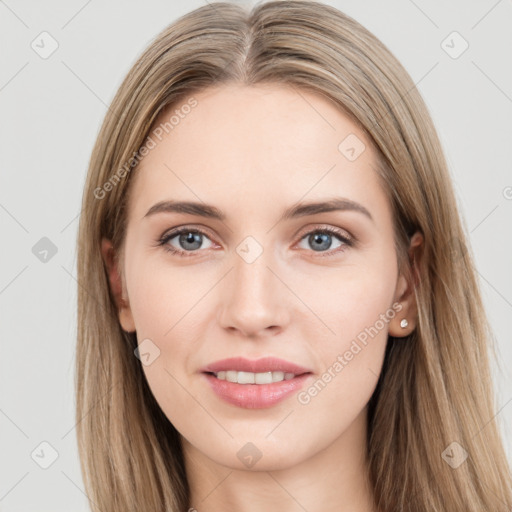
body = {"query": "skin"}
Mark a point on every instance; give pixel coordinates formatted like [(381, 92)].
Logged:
[(253, 152)]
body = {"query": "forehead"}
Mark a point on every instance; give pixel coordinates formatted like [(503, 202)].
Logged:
[(235, 142)]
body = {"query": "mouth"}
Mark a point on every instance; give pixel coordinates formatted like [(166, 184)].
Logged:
[(255, 384)]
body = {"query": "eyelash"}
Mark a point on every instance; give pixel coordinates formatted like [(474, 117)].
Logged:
[(163, 241)]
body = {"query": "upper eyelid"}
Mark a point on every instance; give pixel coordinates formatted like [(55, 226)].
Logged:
[(171, 233)]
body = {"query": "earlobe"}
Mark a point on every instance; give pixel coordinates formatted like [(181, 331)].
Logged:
[(116, 286), (405, 321)]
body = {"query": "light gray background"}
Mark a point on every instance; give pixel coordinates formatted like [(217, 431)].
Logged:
[(51, 111)]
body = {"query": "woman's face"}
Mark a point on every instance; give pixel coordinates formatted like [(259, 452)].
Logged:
[(255, 275)]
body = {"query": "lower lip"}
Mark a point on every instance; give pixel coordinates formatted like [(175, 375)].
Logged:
[(255, 396)]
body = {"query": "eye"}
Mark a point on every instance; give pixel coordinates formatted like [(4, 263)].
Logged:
[(188, 241), (321, 240)]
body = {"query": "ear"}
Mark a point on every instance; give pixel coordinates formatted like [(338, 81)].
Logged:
[(117, 286), (404, 292)]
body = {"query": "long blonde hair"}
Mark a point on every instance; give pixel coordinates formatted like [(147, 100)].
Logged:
[(435, 388)]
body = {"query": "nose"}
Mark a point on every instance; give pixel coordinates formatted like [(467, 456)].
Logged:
[(254, 301)]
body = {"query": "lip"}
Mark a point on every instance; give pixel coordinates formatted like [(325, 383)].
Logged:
[(255, 396), (265, 364)]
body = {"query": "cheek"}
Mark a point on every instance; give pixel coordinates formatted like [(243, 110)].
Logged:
[(349, 300), (356, 304), (351, 360), (165, 304), (170, 308), (162, 297)]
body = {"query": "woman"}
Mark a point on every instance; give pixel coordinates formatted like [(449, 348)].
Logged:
[(322, 344)]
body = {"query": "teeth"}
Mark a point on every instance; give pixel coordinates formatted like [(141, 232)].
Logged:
[(253, 378)]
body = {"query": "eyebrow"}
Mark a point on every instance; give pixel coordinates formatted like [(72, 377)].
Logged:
[(298, 210)]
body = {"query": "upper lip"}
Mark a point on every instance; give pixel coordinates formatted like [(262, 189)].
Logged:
[(265, 364)]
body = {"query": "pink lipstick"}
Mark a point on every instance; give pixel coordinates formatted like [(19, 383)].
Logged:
[(255, 384)]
